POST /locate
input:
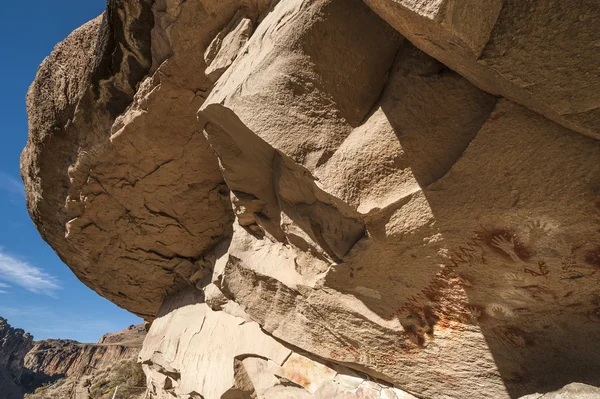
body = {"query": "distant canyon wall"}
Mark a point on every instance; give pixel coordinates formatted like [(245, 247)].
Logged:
[(26, 365), (14, 345), (53, 359)]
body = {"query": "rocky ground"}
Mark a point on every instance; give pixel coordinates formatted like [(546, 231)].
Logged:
[(332, 198), (125, 377)]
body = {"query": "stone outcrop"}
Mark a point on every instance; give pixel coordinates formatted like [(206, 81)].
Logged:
[(55, 359), (236, 359), (14, 345), (65, 368), (541, 54), (574, 390), (132, 336), (332, 198)]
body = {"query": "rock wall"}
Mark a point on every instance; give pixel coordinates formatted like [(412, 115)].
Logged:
[(336, 198), (14, 345), (226, 355), (538, 54), (53, 359)]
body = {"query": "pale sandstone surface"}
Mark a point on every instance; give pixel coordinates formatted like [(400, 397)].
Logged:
[(308, 206), (229, 356), (572, 391), (542, 54)]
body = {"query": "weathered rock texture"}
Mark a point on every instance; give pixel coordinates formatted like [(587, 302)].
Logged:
[(332, 198), (132, 336), (68, 368), (542, 54), (236, 359), (14, 345), (571, 391)]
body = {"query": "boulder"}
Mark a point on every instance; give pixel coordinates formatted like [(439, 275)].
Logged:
[(307, 204), (541, 54), (222, 356)]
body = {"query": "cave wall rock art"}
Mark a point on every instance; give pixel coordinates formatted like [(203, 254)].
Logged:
[(332, 198)]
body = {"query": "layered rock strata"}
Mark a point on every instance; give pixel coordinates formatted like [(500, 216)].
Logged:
[(332, 198), (55, 359), (14, 345)]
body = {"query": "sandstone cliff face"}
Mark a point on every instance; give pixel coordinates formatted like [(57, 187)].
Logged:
[(54, 359), (132, 336), (14, 345), (332, 198)]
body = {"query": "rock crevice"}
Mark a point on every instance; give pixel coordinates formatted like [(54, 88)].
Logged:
[(310, 198)]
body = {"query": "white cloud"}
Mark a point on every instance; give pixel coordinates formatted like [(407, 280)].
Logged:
[(21, 273), (10, 184), (3, 288)]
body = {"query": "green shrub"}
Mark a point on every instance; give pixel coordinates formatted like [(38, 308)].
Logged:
[(127, 375)]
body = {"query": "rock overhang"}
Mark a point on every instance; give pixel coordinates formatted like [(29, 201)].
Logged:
[(357, 198)]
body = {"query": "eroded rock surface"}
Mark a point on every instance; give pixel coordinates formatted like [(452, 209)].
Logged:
[(14, 345), (54, 359), (236, 359), (309, 202), (571, 391), (542, 54), (56, 368)]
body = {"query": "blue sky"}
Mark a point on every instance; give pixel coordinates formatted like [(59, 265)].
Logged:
[(37, 291)]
